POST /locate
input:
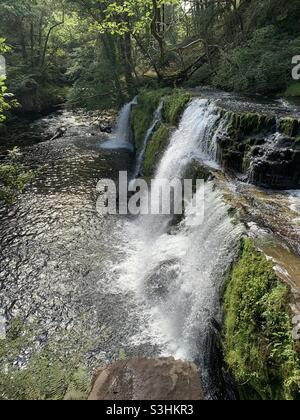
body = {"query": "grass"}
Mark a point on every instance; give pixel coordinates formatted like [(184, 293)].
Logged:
[(259, 347)]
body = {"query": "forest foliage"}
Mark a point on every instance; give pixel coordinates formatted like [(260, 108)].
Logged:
[(97, 53)]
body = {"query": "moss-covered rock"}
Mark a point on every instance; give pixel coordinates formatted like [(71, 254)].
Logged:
[(197, 171), (290, 126), (156, 146), (174, 106), (259, 347), (243, 132), (175, 102), (244, 147), (142, 114), (241, 125)]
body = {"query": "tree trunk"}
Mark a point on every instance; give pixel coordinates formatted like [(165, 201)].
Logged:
[(156, 18), (110, 51), (126, 53)]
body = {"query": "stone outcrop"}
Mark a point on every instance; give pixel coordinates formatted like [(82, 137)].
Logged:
[(147, 379), (263, 149)]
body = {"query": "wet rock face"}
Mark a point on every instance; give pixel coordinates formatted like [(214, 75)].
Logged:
[(148, 379), (276, 163), (265, 150)]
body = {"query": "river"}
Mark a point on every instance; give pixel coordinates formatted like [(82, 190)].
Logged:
[(123, 285)]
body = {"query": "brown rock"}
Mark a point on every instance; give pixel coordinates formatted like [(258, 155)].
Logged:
[(148, 379)]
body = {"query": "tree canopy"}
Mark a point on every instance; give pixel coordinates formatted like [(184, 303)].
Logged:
[(100, 52)]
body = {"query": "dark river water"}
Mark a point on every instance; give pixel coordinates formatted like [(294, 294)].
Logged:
[(57, 253)]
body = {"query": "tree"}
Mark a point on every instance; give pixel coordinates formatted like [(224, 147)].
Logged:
[(33, 29)]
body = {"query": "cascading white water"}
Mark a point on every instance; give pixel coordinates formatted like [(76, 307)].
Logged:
[(121, 136), (178, 275), (156, 119)]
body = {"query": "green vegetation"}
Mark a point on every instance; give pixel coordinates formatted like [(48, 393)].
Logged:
[(262, 61), (174, 106), (40, 34), (244, 124), (175, 102), (290, 126), (293, 90), (244, 130), (4, 105), (155, 149), (142, 114), (259, 347), (48, 375), (13, 177), (99, 53)]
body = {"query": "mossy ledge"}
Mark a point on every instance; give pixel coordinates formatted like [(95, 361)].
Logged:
[(259, 348), (244, 124), (155, 149), (244, 131), (243, 145), (175, 101), (290, 127), (174, 106), (142, 114)]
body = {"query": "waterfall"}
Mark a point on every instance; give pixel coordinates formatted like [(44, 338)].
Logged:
[(179, 274), (191, 140), (156, 120), (121, 138)]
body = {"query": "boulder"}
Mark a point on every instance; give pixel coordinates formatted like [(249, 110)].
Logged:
[(147, 379), (266, 150)]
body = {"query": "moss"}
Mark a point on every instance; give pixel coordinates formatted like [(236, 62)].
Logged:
[(175, 105), (155, 149), (243, 131), (197, 171), (293, 90), (47, 374), (259, 347), (142, 114), (242, 124), (290, 126), (14, 177)]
